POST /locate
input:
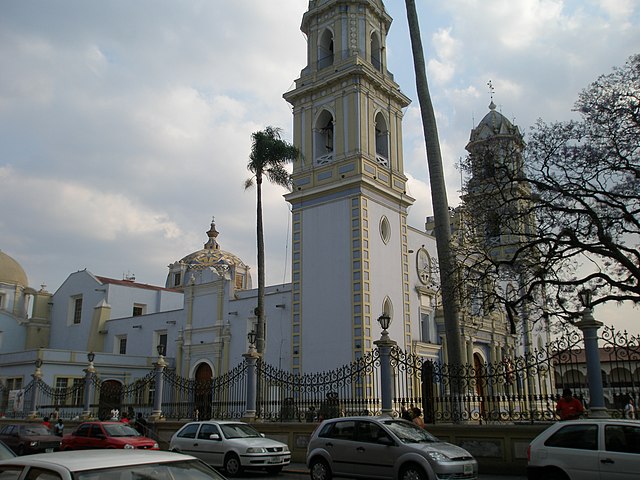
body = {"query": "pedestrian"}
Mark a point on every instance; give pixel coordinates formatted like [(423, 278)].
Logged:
[(196, 415), (417, 417), (404, 413), (55, 414), (58, 428), (46, 423), (569, 407), (630, 410), (141, 424)]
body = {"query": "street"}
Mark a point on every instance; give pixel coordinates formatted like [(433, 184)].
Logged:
[(299, 472)]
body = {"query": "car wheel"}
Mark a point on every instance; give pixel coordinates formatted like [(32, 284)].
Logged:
[(412, 472), (274, 470), (319, 469), (555, 475), (232, 465)]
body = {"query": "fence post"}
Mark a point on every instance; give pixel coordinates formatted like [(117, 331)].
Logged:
[(251, 357), (88, 386), (37, 377), (386, 378), (159, 366)]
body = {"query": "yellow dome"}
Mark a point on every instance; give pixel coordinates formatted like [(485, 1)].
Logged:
[(11, 272)]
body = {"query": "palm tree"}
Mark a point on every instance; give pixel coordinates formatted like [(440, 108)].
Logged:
[(438, 197), (269, 154)]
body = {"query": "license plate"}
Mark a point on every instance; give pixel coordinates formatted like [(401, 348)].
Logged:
[(467, 469), (274, 460), (48, 450)]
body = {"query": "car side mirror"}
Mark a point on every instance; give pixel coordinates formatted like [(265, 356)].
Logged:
[(262, 435), (214, 436)]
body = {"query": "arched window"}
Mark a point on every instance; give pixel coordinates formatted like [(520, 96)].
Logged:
[(382, 140), (325, 49), (376, 51), (323, 138)]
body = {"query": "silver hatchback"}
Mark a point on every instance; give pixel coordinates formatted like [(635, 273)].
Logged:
[(384, 448)]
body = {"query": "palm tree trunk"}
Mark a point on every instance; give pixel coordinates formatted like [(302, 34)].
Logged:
[(260, 334), (438, 199)]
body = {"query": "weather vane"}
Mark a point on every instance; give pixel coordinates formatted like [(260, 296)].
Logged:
[(491, 89)]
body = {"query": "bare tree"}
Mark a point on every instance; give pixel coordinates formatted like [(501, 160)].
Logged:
[(568, 215)]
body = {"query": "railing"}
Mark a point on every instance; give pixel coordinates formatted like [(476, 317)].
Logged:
[(523, 389)]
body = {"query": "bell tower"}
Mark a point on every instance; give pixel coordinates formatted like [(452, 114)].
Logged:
[(349, 203)]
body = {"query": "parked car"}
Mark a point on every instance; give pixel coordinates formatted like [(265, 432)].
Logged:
[(107, 465), (384, 448), (6, 452), (90, 435), (587, 449), (231, 445), (27, 438)]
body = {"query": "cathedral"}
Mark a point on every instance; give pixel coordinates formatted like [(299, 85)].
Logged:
[(354, 257)]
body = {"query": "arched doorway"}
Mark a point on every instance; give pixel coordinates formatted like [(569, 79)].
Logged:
[(202, 401), (110, 398)]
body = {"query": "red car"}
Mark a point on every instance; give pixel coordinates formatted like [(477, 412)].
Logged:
[(106, 435)]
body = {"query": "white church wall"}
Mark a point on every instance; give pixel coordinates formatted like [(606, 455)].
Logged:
[(326, 333), (12, 334), (64, 332)]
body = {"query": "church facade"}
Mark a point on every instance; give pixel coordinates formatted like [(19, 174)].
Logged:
[(354, 257)]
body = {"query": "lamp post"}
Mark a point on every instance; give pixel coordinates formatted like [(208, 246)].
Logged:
[(89, 372), (386, 379), (251, 357), (37, 377), (589, 327), (160, 365)]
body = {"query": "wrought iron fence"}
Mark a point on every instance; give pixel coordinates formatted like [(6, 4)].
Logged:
[(524, 388), (351, 389), (221, 397)]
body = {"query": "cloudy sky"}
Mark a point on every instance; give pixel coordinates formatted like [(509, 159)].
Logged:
[(125, 125)]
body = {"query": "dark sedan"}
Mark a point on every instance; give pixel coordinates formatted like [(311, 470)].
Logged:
[(29, 438)]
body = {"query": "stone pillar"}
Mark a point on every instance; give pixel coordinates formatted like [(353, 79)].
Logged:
[(385, 344), (160, 365), (89, 372), (589, 327), (35, 390), (251, 357)]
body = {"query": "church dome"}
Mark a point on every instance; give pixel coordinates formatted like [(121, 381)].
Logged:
[(210, 258), (11, 272), (493, 124), (211, 255)]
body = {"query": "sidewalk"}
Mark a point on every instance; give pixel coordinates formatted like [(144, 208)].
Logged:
[(301, 468), (296, 468)]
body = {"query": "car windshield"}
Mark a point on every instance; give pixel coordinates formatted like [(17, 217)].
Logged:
[(239, 430), (5, 452), (409, 433), (35, 430), (115, 430), (188, 470)]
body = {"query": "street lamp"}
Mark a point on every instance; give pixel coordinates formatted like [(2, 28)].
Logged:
[(160, 349), (585, 297), (589, 327), (91, 357), (385, 321), (251, 336)]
